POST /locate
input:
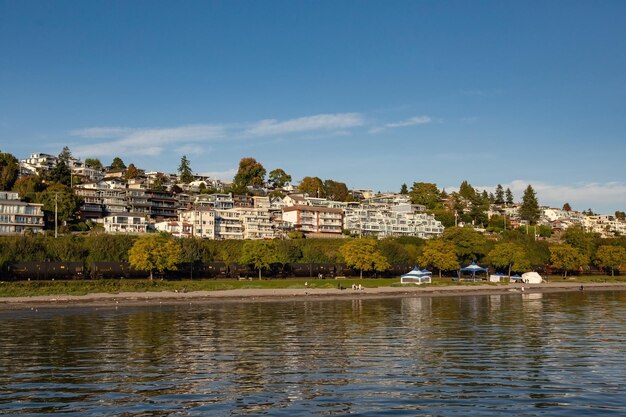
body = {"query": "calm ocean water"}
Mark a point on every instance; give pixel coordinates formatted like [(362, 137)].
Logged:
[(515, 355)]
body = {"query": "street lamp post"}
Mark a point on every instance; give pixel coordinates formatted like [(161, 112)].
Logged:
[(56, 209)]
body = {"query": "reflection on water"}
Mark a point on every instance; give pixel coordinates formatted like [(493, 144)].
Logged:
[(519, 354)]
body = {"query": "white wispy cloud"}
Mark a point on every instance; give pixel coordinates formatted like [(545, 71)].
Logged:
[(337, 121), (416, 120), (151, 141), (102, 141)]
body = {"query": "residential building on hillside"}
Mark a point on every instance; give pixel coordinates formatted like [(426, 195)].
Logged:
[(18, 217), (256, 222), (175, 227), (314, 220), (607, 226), (132, 223), (37, 162), (391, 220), (201, 220)]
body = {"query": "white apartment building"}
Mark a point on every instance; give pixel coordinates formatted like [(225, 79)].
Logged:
[(201, 220), (607, 226), (391, 220), (37, 162), (125, 223), (175, 228), (256, 222), (17, 217)]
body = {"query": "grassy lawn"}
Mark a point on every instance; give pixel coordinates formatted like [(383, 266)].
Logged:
[(32, 288)]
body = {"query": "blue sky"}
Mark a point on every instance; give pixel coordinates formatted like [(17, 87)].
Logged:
[(371, 93)]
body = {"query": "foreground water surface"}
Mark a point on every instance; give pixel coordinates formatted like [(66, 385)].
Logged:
[(515, 354)]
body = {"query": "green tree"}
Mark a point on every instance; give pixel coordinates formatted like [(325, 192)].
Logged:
[(509, 255), (439, 254), (529, 209), (59, 198), (250, 172), (470, 245), (158, 184), (620, 215), (9, 171), (156, 252), (499, 197), (567, 258), (65, 155), (395, 252), (61, 173), (28, 187), (364, 255), (404, 189), (312, 186), (185, 174), (609, 256), (117, 164), (583, 241), (467, 191), (337, 191), (567, 207), (425, 193), (509, 196), (278, 178), (94, 163), (444, 215), (260, 254)]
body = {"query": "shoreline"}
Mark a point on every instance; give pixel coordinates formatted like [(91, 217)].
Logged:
[(286, 294)]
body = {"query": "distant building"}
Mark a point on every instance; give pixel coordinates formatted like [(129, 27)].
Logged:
[(312, 219), (17, 217), (133, 223)]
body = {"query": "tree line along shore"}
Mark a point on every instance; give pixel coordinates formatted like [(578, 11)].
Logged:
[(578, 253)]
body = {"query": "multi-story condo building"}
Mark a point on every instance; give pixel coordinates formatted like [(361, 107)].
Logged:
[(125, 223), (391, 220), (17, 217), (163, 204), (37, 162), (201, 220), (228, 225), (316, 220), (256, 222)]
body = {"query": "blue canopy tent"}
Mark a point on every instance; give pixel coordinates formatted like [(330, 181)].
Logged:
[(473, 268), (416, 276)]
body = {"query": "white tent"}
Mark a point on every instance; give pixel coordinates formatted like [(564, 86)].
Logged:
[(416, 277), (531, 278)]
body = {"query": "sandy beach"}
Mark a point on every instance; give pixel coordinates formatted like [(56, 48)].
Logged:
[(247, 295)]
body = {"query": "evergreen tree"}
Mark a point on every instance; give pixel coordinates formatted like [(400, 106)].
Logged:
[(404, 189), (184, 170), (509, 196), (467, 191), (65, 155), (529, 210), (499, 194), (567, 207)]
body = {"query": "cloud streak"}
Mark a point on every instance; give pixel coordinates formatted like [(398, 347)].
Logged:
[(416, 120), (154, 141), (336, 121)]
